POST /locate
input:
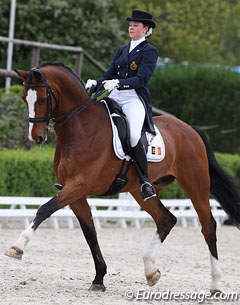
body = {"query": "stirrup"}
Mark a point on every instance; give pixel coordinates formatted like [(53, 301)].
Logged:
[(58, 186), (147, 191)]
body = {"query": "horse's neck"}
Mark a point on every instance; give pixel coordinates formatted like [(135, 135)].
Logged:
[(87, 124), (69, 101), (70, 94)]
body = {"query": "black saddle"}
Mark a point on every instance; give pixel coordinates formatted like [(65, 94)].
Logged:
[(121, 123)]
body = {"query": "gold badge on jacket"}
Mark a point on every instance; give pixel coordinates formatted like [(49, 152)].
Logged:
[(133, 65)]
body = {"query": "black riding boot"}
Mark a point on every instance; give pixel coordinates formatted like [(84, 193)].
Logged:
[(140, 158), (58, 186)]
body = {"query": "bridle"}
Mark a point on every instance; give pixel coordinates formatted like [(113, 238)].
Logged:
[(48, 118), (49, 94)]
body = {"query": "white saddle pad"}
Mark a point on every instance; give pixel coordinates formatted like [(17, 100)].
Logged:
[(156, 147)]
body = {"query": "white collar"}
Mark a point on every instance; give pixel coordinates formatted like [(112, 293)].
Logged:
[(135, 43)]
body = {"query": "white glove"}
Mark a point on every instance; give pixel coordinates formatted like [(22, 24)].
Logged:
[(109, 85), (90, 83)]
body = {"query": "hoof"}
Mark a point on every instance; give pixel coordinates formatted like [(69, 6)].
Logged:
[(97, 287), (216, 292), (14, 252), (153, 278)]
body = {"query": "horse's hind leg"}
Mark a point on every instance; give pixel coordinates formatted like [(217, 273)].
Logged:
[(197, 186), (165, 221), (84, 216)]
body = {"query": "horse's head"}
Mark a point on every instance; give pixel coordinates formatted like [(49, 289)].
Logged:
[(53, 94), (37, 94)]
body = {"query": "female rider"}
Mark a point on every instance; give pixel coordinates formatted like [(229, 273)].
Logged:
[(127, 81)]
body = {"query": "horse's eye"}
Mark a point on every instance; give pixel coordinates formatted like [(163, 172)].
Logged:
[(42, 100)]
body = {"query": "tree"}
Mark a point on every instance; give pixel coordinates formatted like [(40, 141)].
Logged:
[(199, 31), (90, 24)]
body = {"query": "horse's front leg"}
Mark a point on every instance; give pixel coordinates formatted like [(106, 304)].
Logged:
[(45, 211), (83, 213)]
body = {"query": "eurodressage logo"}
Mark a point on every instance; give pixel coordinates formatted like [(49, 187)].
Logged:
[(199, 297)]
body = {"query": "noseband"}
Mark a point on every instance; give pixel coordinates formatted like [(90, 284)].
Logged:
[(49, 119)]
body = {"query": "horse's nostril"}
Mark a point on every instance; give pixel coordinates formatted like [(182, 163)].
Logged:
[(39, 140)]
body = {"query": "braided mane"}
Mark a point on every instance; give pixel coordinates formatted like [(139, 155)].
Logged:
[(60, 64)]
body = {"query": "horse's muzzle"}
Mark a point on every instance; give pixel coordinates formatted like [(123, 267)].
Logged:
[(39, 140)]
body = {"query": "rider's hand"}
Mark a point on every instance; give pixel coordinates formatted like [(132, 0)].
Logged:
[(90, 83), (109, 85)]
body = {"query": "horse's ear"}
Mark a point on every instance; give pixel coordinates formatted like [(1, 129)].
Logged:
[(37, 74), (23, 74)]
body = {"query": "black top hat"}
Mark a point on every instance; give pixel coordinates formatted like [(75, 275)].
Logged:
[(143, 17)]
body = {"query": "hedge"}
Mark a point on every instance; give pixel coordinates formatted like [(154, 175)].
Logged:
[(30, 172), (27, 172), (202, 96)]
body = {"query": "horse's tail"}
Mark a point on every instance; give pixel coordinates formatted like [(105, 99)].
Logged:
[(222, 187)]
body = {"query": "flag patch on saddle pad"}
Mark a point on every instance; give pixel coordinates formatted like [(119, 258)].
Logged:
[(156, 147), (156, 150)]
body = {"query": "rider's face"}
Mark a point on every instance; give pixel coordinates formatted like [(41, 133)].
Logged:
[(136, 30)]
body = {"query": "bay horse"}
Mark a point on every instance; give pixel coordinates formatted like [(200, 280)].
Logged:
[(85, 164)]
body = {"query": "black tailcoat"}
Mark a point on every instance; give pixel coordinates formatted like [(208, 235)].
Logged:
[(134, 70)]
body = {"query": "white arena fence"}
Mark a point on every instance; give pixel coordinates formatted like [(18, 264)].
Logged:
[(122, 212)]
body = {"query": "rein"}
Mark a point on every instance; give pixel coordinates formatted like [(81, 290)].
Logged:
[(49, 119), (67, 116)]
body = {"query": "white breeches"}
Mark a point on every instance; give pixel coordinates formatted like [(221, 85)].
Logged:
[(134, 110)]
